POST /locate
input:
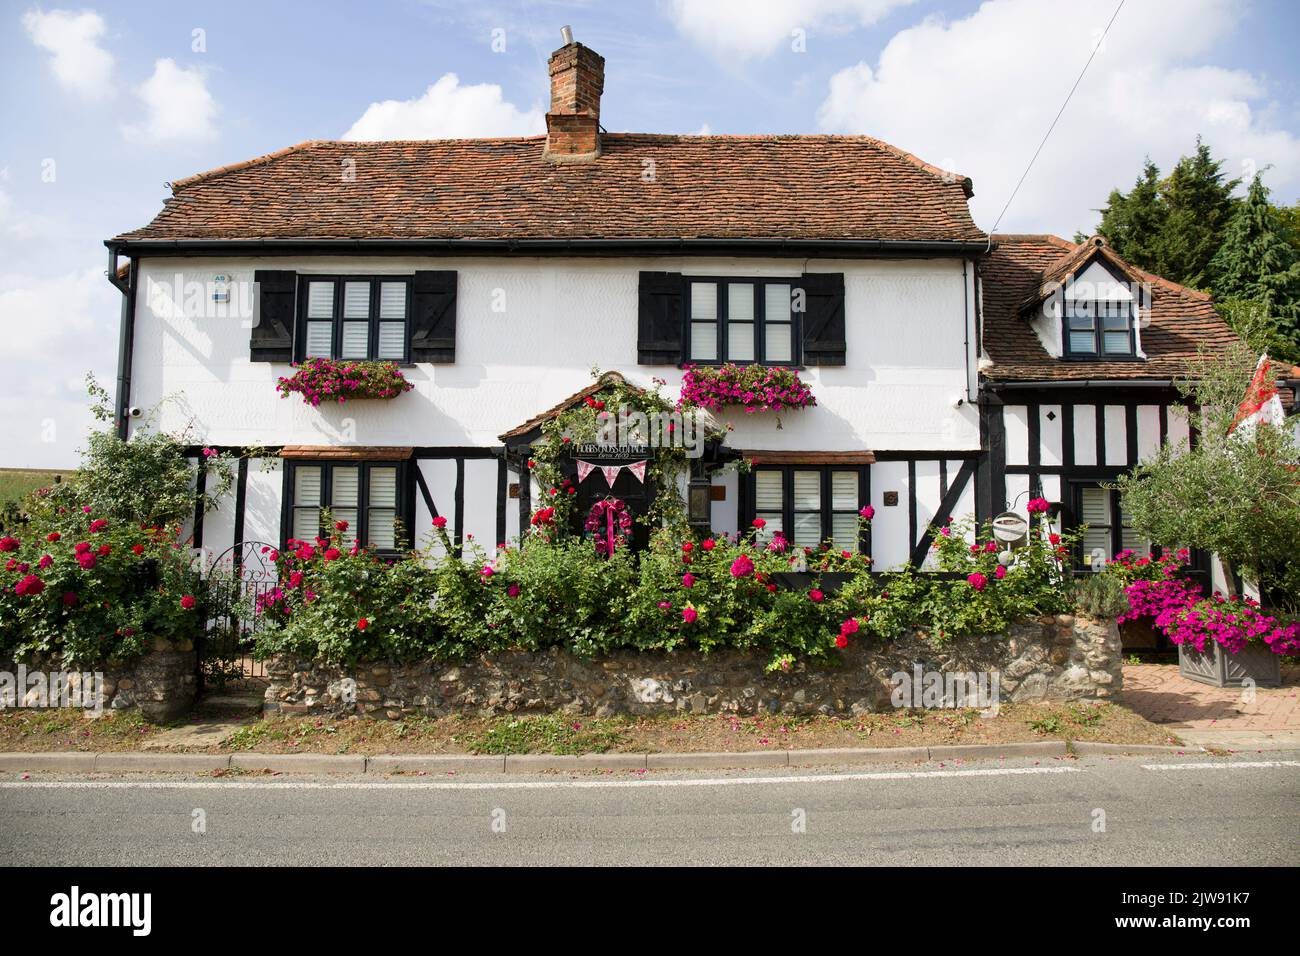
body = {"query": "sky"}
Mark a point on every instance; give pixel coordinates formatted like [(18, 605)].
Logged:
[(103, 104)]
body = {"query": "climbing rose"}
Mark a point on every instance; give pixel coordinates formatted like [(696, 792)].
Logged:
[(31, 584), (9, 544), (742, 567), (1000, 573), (137, 549), (707, 544), (1054, 538), (688, 580), (759, 523), (687, 547), (841, 640), (440, 522), (977, 581), (513, 590), (53, 536), (868, 512), (45, 561), (816, 596), (1038, 505), (333, 554), (689, 615), (487, 571), (340, 526), (187, 602), (363, 624), (105, 550), (99, 524), (295, 578), (850, 626)]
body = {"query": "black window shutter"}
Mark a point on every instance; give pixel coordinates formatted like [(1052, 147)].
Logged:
[(823, 319), (433, 317), (660, 317), (272, 339)]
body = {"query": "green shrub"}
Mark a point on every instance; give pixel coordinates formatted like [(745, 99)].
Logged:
[(1100, 596)]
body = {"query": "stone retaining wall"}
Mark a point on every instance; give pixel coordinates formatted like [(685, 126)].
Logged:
[(160, 684), (1062, 658)]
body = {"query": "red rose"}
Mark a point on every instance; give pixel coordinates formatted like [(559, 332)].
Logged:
[(759, 523), (440, 522), (137, 549), (187, 602), (363, 624), (87, 560), (9, 544), (332, 554), (53, 536), (816, 596), (31, 584), (340, 526), (708, 544), (841, 640)]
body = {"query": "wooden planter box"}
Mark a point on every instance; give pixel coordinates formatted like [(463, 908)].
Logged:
[(1218, 668), (831, 581)]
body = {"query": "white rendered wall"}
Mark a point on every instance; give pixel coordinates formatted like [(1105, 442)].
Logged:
[(528, 333)]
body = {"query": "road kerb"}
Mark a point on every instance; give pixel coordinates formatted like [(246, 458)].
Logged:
[(299, 763), (192, 763), (434, 763), (1033, 748), (1082, 747), (71, 761), (855, 755)]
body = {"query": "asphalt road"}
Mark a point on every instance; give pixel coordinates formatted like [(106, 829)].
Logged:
[(1195, 812)]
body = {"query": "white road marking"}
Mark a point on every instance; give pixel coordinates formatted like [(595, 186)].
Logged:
[(512, 784), (1222, 765)]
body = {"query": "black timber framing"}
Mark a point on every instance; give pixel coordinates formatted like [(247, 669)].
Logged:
[(921, 545)]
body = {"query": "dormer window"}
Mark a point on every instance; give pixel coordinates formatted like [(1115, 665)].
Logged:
[(1099, 328)]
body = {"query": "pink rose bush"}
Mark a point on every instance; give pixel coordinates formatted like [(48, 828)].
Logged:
[(320, 380)]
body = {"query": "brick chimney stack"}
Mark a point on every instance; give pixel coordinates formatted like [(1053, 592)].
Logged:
[(573, 123)]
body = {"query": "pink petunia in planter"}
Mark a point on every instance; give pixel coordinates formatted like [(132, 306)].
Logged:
[(320, 380), (755, 388)]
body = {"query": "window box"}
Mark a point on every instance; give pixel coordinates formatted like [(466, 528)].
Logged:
[(828, 581), (754, 388), (326, 380)]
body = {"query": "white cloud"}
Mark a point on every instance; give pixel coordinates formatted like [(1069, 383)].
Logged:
[(79, 63), (749, 28), (178, 106), (448, 110), (976, 95), (55, 329)]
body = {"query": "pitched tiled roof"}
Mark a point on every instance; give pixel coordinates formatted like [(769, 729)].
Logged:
[(704, 187), (1182, 319)]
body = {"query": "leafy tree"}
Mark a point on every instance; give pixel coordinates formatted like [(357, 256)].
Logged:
[(1198, 203), (144, 481), (1256, 263), (1134, 224), (1233, 495)]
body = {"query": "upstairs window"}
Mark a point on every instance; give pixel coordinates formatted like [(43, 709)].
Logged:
[(354, 317), (742, 321), (364, 494), (1099, 328)]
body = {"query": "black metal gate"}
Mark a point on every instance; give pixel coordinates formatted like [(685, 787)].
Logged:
[(236, 579)]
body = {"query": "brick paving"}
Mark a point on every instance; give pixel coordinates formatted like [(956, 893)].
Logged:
[(1158, 693)]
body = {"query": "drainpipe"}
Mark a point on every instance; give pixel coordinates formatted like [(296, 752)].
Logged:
[(125, 340)]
